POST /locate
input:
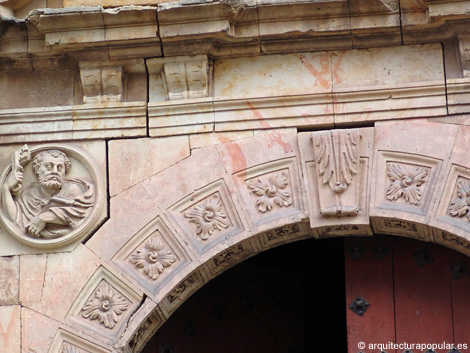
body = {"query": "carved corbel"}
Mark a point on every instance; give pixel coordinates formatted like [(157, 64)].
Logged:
[(101, 84), (464, 54), (337, 154), (183, 77)]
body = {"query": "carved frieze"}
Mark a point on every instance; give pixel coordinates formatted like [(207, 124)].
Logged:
[(50, 195), (406, 181), (271, 191), (182, 291), (101, 84), (337, 154), (230, 257), (153, 257), (400, 227), (106, 305), (209, 216)]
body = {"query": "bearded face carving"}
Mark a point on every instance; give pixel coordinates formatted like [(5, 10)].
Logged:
[(51, 206)]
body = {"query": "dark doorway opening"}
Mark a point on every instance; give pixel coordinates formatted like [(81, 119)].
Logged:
[(290, 299)]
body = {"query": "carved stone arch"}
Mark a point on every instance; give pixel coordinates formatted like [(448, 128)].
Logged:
[(166, 236)]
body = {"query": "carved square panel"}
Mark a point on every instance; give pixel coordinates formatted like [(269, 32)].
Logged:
[(402, 182), (66, 342), (207, 216), (153, 256), (285, 234), (182, 291), (104, 304), (271, 191), (400, 227), (454, 206)]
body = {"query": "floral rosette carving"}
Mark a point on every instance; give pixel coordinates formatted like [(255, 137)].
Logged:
[(406, 182), (153, 257), (105, 305), (208, 217), (460, 206), (271, 192)]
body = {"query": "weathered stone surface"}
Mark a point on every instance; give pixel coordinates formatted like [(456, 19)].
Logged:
[(37, 331), (10, 328), (9, 280), (30, 89), (60, 286), (132, 161), (408, 174), (242, 171), (203, 140), (272, 75), (32, 275)]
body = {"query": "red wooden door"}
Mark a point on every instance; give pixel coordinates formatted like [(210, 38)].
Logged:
[(417, 299)]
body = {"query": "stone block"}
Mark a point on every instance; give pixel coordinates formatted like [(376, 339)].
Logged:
[(37, 331), (65, 276), (315, 110), (185, 116), (32, 274), (109, 120), (273, 75), (9, 280), (10, 328), (203, 140), (409, 174), (384, 67), (132, 161), (36, 88)]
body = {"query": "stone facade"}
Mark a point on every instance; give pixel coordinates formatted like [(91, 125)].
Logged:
[(148, 146)]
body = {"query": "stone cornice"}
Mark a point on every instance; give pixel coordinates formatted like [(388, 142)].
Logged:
[(226, 29)]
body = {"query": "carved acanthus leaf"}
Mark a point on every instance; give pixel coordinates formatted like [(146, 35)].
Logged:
[(153, 257), (271, 192), (336, 154), (105, 305), (460, 206), (406, 182), (208, 217)]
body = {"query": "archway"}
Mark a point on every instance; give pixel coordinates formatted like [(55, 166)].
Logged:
[(167, 237), (295, 298)]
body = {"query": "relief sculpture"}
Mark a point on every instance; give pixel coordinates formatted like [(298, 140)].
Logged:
[(271, 192), (406, 182), (47, 205), (460, 206), (337, 164)]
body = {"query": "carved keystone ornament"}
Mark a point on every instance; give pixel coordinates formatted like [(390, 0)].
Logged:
[(50, 195), (337, 155)]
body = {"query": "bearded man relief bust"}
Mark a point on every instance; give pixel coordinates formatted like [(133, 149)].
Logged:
[(52, 206)]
